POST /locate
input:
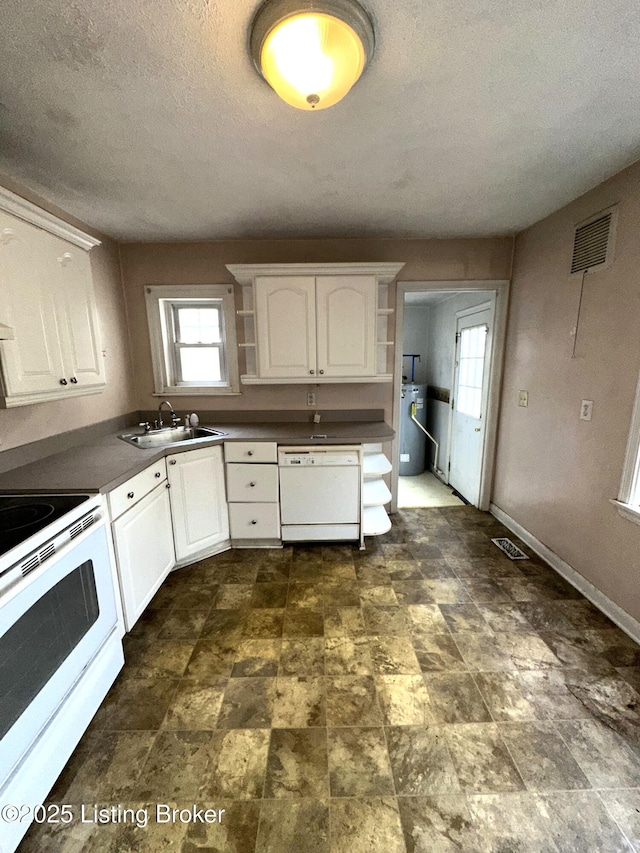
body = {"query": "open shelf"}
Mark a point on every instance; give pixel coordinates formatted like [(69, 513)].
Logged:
[(375, 521)]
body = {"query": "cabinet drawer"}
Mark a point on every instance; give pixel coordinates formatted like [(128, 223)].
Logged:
[(252, 483), (254, 521), (250, 451), (128, 494)]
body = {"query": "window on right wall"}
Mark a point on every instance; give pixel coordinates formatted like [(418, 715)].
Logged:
[(628, 501)]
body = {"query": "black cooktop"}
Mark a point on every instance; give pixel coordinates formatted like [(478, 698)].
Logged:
[(22, 516)]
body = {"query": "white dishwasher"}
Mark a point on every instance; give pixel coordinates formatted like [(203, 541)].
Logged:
[(320, 490)]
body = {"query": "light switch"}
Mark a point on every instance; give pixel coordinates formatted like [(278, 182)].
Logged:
[(523, 398), (586, 410)]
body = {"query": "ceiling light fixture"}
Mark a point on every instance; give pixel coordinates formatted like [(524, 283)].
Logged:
[(311, 52)]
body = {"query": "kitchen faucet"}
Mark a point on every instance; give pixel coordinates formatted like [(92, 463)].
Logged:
[(175, 420)]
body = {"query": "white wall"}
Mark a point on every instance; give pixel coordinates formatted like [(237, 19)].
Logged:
[(415, 340)]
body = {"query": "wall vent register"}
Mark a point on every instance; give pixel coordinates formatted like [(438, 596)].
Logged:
[(593, 242)]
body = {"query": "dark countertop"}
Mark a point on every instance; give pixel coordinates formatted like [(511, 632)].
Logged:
[(103, 464)]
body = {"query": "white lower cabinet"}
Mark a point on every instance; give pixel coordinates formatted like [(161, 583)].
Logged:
[(198, 503), (144, 549), (252, 491), (254, 521)]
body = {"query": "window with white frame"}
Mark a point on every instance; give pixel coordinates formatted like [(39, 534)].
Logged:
[(628, 501), (193, 338)]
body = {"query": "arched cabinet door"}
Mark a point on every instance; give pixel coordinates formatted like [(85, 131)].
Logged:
[(285, 328), (47, 303), (346, 325), (70, 269), (32, 361)]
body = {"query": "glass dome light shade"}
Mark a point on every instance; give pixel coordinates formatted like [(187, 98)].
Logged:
[(312, 60)]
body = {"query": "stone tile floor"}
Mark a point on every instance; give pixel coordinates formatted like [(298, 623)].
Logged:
[(427, 694)]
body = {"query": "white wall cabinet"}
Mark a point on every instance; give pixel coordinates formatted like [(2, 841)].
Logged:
[(143, 543), (198, 503), (316, 326), (48, 304), (315, 323)]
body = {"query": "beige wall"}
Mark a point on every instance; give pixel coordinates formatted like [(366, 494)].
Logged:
[(30, 423), (555, 473), (204, 263)]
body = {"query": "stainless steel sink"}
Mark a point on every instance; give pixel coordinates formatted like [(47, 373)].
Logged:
[(170, 435)]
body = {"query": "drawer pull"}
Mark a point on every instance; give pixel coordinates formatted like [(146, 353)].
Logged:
[(249, 452), (158, 474), (252, 485), (129, 495), (254, 521), (172, 462)]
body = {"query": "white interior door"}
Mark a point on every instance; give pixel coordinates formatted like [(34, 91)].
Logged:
[(469, 405)]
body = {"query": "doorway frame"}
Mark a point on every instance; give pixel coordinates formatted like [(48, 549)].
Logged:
[(500, 290), (489, 305)]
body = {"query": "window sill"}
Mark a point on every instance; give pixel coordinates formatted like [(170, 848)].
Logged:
[(197, 392), (627, 511)]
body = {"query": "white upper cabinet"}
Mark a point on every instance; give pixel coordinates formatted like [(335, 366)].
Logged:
[(315, 322), (52, 349)]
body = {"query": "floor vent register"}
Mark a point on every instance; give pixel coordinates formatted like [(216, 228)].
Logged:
[(512, 551)]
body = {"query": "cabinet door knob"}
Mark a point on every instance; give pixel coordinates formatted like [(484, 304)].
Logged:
[(249, 452), (252, 485), (168, 486), (63, 382), (312, 372), (254, 521), (321, 371), (65, 258), (172, 462), (158, 474), (74, 380), (129, 495)]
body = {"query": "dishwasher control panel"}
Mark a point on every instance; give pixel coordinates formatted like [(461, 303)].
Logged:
[(296, 458)]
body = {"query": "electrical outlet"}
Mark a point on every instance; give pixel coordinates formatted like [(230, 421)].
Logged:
[(586, 410), (523, 398), (311, 398)]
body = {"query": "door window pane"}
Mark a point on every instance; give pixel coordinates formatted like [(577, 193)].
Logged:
[(471, 357)]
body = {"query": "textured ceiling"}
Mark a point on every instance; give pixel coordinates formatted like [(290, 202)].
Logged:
[(147, 120)]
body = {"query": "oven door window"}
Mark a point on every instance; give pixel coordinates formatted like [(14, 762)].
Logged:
[(37, 644)]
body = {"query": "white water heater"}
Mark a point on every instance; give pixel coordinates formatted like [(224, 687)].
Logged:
[(412, 438)]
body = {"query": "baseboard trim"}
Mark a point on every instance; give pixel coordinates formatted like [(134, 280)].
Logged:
[(622, 619)]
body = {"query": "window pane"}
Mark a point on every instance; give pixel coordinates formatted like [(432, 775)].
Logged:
[(198, 325), (200, 364), (471, 371)]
